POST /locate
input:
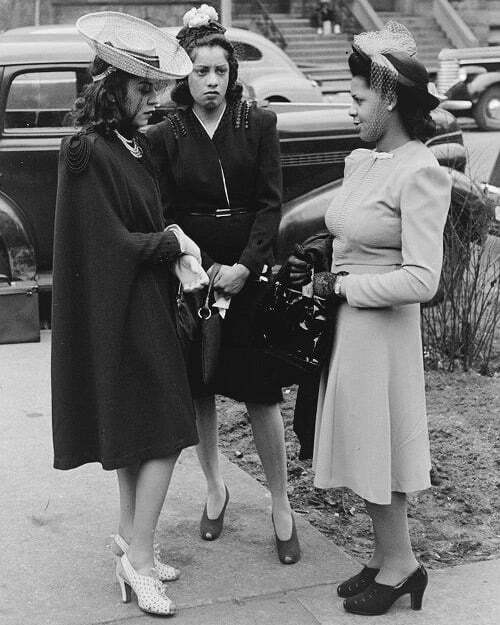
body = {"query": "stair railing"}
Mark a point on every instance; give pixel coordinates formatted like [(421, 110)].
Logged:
[(267, 26), (450, 22), (366, 15)]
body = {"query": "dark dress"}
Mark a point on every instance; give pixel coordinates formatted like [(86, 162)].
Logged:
[(120, 393), (245, 147)]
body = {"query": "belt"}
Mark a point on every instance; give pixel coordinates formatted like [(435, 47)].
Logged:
[(220, 212)]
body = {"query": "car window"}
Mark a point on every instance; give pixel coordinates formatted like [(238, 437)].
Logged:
[(246, 52), (40, 100)]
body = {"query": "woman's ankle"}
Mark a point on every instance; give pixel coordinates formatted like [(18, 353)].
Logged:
[(141, 560)]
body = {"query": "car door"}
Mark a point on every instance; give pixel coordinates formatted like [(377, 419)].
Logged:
[(36, 105)]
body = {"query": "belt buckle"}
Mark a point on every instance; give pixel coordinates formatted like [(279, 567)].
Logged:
[(223, 212)]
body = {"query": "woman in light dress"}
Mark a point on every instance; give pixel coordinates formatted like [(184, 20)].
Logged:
[(387, 224)]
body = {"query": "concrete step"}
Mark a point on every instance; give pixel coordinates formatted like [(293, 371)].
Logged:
[(313, 58), (311, 35), (292, 23), (317, 45)]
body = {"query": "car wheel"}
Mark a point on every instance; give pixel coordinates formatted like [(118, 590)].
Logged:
[(487, 109)]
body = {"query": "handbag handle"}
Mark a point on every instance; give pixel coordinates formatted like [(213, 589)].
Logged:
[(205, 310)]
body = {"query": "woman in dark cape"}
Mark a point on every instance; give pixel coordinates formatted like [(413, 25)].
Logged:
[(119, 387)]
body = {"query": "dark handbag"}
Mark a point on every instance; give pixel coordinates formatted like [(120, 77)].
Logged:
[(199, 326), (294, 329), (210, 334), (19, 319)]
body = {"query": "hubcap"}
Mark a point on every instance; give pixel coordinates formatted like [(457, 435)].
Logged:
[(494, 109)]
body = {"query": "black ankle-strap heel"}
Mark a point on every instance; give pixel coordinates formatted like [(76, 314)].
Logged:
[(378, 598)]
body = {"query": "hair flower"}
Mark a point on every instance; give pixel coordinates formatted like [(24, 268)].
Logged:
[(200, 17)]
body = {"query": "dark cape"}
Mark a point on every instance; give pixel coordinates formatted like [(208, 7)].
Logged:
[(120, 393)]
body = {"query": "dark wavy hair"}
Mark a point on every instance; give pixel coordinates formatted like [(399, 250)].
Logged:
[(412, 102), (102, 104), (181, 94)]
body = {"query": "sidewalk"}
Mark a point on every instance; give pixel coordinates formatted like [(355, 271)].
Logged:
[(55, 528)]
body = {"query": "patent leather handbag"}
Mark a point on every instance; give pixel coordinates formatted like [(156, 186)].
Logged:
[(199, 327), (294, 328), (210, 334)]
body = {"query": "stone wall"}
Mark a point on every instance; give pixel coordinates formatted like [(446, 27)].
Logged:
[(14, 13), (159, 12)]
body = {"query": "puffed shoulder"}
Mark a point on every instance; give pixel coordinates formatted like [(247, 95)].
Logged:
[(77, 150), (428, 177), (264, 116)]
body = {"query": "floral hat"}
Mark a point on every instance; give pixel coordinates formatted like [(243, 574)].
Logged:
[(134, 46), (199, 23)]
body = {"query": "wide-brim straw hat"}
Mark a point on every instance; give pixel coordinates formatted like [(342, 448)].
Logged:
[(134, 46)]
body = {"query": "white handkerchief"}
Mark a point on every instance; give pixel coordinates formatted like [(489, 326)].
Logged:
[(222, 302)]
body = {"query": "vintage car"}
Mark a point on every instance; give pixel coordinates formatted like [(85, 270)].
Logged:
[(268, 72), (470, 80), (40, 78)]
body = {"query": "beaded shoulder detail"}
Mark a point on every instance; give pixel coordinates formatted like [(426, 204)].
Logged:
[(177, 124), (241, 113), (77, 151)]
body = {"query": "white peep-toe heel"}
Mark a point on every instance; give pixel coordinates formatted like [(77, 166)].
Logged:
[(166, 573), (150, 592)]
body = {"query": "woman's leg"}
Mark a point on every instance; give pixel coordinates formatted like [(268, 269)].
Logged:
[(393, 553), (127, 481), (208, 454), (152, 482), (269, 435)]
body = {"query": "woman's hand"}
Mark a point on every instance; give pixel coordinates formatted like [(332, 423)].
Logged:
[(187, 245), (230, 280), (190, 273), (300, 271)]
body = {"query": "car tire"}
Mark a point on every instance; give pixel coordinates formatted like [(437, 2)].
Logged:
[(481, 109)]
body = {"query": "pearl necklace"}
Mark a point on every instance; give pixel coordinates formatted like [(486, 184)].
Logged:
[(131, 145)]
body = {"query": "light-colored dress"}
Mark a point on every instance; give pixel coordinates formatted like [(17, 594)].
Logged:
[(387, 221)]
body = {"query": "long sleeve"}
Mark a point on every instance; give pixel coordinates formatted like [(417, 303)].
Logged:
[(425, 200), (268, 192)]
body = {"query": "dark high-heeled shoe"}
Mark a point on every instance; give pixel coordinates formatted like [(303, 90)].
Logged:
[(357, 583), (288, 550), (378, 598), (210, 529)]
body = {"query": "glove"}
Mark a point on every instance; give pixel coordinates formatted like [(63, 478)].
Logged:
[(187, 245), (190, 273), (324, 286)]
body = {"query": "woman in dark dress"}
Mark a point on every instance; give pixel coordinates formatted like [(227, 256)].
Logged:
[(120, 393), (219, 167)]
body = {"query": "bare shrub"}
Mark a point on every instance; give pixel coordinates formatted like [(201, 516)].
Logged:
[(458, 325)]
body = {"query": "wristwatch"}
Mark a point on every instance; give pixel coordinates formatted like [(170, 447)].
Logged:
[(337, 287)]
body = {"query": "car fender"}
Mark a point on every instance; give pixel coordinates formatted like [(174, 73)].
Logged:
[(15, 238), (452, 155), (480, 83), (291, 87), (304, 216)]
